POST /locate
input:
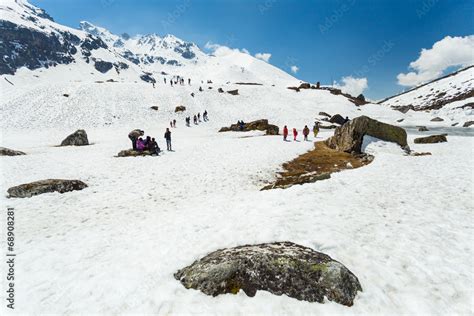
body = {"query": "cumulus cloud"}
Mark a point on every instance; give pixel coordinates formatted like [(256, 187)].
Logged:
[(352, 86), (263, 56), (431, 64), (294, 69), (221, 50)]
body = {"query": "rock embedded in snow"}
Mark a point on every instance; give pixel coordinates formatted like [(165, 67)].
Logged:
[(349, 137), (469, 123), (180, 108), (437, 119), (10, 152), (133, 153), (281, 268), (233, 92), (78, 138), (423, 129), (259, 125), (431, 139), (154, 107), (45, 186), (338, 119), (324, 114), (305, 85)]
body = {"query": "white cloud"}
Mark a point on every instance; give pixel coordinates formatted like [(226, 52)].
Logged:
[(352, 86), (448, 52), (294, 69), (263, 56), (221, 50)]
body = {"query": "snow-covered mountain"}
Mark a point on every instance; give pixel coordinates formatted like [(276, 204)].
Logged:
[(32, 40), (451, 91)]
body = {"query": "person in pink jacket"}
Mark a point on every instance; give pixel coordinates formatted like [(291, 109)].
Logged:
[(295, 134), (140, 144)]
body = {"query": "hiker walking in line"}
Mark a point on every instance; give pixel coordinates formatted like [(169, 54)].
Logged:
[(134, 135), (306, 132), (199, 117), (285, 133), (174, 123), (165, 80), (295, 134), (168, 139), (189, 81), (316, 129), (195, 120), (204, 116)]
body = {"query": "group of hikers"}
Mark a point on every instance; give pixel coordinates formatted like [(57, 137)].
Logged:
[(139, 143), (176, 80), (196, 118), (306, 132)]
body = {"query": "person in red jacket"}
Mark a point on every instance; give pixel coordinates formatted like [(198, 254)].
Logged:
[(285, 133), (295, 134)]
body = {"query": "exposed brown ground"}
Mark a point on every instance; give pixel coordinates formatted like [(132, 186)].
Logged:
[(317, 164)]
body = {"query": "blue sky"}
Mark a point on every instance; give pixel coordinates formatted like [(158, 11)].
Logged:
[(327, 40)]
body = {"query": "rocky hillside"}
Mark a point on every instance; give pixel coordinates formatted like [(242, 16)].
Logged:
[(453, 89)]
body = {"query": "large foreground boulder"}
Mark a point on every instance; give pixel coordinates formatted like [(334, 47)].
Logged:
[(10, 152), (259, 125), (349, 137), (280, 268), (45, 186), (433, 139), (78, 138)]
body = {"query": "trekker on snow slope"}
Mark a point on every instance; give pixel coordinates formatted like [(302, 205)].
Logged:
[(134, 135), (295, 134), (168, 139), (285, 133), (316, 129), (306, 132)]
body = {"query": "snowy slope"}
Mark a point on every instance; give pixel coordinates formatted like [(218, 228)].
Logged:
[(439, 93)]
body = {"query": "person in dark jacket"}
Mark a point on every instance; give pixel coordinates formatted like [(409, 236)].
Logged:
[(153, 147), (285, 133), (134, 135), (241, 125), (305, 132), (168, 139)]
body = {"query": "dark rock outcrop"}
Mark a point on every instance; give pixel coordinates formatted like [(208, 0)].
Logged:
[(338, 119), (147, 77), (404, 108), (294, 88), (281, 268), (469, 123), (423, 129), (180, 108), (431, 139), (349, 137), (220, 90), (133, 153), (45, 186), (305, 85), (10, 152), (103, 66), (437, 119), (233, 92), (154, 107), (324, 114), (260, 125), (78, 138)]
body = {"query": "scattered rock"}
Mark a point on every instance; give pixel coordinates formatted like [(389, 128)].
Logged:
[(400, 120), (338, 119), (324, 114), (78, 138), (180, 108), (133, 153), (414, 153), (66, 95), (281, 268), (103, 66), (332, 126), (10, 152), (431, 139), (469, 123), (349, 136), (361, 98), (454, 124), (294, 88), (304, 85), (404, 108), (220, 90), (154, 107), (45, 186), (233, 92), (260, 125), (437, 119), (423, 129)]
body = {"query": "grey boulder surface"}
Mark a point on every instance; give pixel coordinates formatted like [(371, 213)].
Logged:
[(10, 152), (45, 186), (280, 268), (78, 138)]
